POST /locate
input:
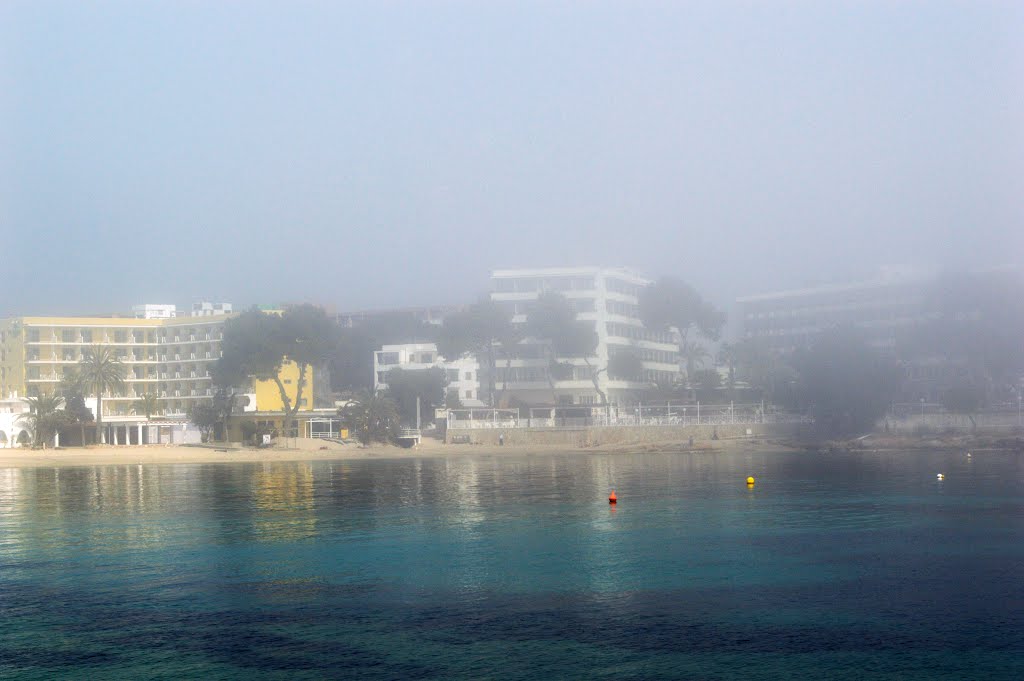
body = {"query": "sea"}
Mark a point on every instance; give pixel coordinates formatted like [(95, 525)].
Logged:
[(857, 565)]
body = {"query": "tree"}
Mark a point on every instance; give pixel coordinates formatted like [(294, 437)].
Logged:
[(205, 416), (73, 389), (426, 384), (371, 419), (845, 383), (671, 303), (42, 419), (78, 414), (351, 359), (728, 356), (147, 405), (693, 355), (625, 366), (256, 345), (552, 320), (100, 371), (477, 330)]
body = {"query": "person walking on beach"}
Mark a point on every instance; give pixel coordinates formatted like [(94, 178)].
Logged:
[(501, 439)]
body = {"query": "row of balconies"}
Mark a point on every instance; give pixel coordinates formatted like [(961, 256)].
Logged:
[(190, 357), (192, 339), (170, 394), (106, 340)]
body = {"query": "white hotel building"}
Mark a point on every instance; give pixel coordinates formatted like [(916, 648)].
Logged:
[(607, 297)]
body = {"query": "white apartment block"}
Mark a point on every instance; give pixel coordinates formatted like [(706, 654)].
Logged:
[(606, 297), (153, 311), (463, 374)]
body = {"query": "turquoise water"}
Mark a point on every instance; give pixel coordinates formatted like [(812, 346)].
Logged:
[(831, 567)]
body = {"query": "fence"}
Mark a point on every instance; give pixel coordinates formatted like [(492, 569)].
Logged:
[(641, 415)]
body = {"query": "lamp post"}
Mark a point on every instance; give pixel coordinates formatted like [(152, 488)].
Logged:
[(922, 407)]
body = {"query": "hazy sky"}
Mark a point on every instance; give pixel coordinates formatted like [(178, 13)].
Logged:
[(388, 154)]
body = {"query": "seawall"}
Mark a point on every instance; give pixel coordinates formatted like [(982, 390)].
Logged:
[(594, 436)]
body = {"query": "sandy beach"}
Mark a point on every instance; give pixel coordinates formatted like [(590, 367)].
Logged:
[(317, 450)]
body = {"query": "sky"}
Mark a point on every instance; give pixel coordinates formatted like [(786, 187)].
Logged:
[(390, 154)]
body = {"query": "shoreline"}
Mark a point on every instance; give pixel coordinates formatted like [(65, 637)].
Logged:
[(330, 451), (320, 450)]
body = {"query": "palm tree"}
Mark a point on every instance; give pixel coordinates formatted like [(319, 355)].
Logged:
[(40, 417), (148, 404), (101, 371)]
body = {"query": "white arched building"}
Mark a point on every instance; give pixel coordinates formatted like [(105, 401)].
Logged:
[(13, 430)]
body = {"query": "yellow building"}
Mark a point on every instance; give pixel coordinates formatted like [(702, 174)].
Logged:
[(171, 358)]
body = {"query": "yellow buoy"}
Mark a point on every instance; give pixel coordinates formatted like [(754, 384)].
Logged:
[(750, 480)]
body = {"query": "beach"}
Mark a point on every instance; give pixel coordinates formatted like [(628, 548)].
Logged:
[(322, 450)]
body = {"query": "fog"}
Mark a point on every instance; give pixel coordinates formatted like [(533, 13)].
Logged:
[(381, 155)]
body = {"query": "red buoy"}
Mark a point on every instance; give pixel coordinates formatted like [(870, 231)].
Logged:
[(612, 499)]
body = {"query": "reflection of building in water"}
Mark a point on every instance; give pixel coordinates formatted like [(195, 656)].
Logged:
[(10, 487), (283, 493)]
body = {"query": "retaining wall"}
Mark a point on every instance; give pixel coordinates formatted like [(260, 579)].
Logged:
[(612, 435)]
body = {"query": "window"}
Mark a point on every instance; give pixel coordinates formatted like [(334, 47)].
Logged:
[(452, 375), (469, 375), (33, 335), (469, 394), (287, 381), (67, 335), (387, 358), (381, 377), (87, 335)]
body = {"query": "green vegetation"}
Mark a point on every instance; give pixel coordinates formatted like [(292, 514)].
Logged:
[(147, 405), (426, 384), (372, 419), (256, 345), (844, 383), (100, 371), (478, 330)]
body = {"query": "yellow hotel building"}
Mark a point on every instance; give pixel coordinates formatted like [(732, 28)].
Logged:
[(171, 358)]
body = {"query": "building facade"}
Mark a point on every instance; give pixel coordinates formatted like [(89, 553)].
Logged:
[(462, 375), (172, 358), (608, 298), (882, 308)]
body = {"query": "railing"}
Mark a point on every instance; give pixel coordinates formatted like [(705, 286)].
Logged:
[(409, 434)]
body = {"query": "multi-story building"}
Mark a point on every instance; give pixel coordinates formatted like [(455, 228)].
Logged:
[(172, 358), (151, 311), (463, 375), (605, 297), (882, 308)]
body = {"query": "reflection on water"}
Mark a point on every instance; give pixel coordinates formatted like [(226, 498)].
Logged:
[(516, 567)]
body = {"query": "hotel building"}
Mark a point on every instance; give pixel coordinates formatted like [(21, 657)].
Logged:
[(608, 299), (881, 308), (169, 356)]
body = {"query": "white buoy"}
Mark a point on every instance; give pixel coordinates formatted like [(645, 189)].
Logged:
[(968, 455), (940, 476)]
